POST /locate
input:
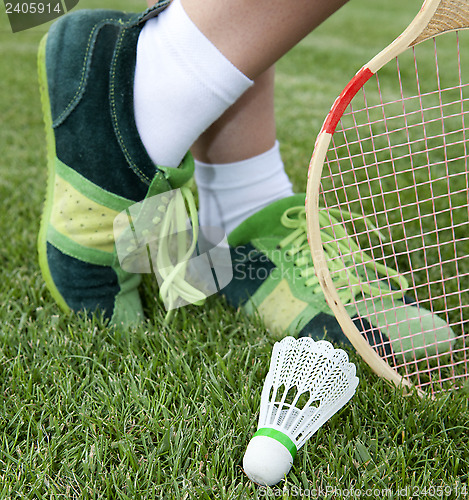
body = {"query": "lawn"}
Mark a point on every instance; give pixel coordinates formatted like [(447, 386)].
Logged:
[(167, 411)]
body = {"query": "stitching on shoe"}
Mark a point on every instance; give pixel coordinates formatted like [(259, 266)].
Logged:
[(115, 123), (74, 101)]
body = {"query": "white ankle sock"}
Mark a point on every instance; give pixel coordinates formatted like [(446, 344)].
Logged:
[(183, 83), (229, 193)]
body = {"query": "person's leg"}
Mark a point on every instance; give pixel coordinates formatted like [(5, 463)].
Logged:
[(238, 166), (242, 140), (239, 169), (199, 56), (246, 129), (254, 35)]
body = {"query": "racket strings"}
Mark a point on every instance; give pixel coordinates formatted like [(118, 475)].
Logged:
[(399, 158)]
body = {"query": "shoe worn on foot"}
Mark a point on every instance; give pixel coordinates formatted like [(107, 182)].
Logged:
[(97, 164), (273, 276)]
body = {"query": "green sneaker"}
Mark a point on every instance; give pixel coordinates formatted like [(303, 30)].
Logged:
[(273, 276), (97, 164)]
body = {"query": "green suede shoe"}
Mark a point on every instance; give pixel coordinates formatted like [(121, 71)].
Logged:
[(97, 164), (273, 276)]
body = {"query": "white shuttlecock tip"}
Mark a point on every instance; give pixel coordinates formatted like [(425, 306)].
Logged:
[(269, 456)]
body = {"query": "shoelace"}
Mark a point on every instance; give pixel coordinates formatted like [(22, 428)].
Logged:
[(174, 236), (336, 239), (162, 221)]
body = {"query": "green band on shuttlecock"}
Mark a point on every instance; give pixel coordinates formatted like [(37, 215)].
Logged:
[(280, 437)]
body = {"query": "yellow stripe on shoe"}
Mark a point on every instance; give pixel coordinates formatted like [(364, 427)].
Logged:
[(281, 308), (80, 219)]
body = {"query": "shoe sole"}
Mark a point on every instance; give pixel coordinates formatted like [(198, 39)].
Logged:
[(49, 199)]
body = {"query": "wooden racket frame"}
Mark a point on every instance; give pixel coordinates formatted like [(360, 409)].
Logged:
[(434, 18)]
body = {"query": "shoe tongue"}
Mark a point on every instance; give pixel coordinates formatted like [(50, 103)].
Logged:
[(266, 222), (181, 175), (154, 10), (169, 178)]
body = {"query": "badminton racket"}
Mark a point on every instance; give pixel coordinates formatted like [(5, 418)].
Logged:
[(388, 204)]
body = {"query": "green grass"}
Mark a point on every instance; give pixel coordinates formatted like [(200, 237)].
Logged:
[(166, 412)]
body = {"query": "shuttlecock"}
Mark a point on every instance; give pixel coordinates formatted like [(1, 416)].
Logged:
[(308, 381)]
